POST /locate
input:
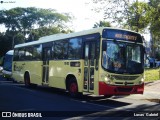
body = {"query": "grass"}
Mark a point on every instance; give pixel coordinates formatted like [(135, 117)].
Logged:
[(152, 74)]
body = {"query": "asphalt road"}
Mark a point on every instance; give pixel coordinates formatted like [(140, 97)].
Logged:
[(56, 103)]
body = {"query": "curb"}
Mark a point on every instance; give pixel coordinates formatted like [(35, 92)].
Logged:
[(151, 83)]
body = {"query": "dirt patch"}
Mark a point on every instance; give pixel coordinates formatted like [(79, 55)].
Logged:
[(154, 100)]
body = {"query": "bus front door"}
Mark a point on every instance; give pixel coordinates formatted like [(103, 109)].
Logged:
[(89, 66), (45, 66)]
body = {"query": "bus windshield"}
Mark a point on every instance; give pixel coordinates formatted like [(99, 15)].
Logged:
[(8, 62), (122, 57)]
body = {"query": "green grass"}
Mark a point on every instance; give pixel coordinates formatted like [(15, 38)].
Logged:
[(152, 74)]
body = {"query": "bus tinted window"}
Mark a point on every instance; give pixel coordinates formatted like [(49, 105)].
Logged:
[(37, 50), (28, 53), (60, 49), (74, 51), (21, 54), (16, 56)]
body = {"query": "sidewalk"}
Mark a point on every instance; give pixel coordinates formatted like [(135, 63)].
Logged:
[(151, 92)]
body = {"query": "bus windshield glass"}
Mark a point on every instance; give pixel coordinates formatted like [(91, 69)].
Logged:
[(122, 57), (8, 62)]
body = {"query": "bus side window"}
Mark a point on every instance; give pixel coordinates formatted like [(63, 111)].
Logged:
[(37, 52), (21, 54), (61, 49), (28, 53), (16, 56), (75, 48)]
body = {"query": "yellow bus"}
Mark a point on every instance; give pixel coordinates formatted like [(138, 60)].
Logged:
[(100, 61)]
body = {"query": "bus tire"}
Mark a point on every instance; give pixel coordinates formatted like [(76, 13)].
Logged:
[(27, 80), (108, 96), (73, 87)]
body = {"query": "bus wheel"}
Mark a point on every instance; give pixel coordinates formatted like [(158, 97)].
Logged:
[(73, 87), (27, 80), (108, 96)]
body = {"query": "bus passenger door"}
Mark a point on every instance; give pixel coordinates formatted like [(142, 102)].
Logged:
[(89, 66), (45, 67)]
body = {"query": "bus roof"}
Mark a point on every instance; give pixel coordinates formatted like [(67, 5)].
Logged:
[(55, 37), (10, 52)]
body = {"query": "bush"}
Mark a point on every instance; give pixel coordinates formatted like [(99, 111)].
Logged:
[(152, 74)]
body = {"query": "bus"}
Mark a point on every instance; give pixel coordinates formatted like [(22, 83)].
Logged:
[(100, 61), (7, 65)]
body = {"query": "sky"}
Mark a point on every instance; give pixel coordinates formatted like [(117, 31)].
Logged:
[(84, 16)]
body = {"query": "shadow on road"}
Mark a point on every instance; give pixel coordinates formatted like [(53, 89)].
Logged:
[(99, 100)]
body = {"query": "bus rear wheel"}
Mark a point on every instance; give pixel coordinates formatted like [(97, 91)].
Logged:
[(73, 87), (27, 80)]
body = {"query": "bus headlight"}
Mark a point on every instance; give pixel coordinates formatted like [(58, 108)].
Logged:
[(141, 81), (105, 78)]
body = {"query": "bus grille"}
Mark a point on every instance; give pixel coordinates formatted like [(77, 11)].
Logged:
[(117, 77), (124, 89)]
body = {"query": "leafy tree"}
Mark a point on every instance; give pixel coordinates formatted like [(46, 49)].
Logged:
[(32, 22), (4, 44), (132, 15), (154, 26), (155, 17), (25, 19), (102, 24), (138, 16), (44, 31), (114, 10)]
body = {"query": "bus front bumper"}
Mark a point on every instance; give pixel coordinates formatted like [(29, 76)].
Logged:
[(105, 89)]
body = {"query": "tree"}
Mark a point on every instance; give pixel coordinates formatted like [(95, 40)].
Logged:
[(32, 22), (23, 19), (114, 10), (155, 17), (4, 44), (138, 16), (124, 13), (154, 26), (102, 24), (35, 34)]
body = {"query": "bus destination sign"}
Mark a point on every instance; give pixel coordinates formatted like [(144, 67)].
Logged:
[(127, 37), (121, 35)]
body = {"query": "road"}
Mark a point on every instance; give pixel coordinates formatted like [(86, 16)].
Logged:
[(15, 97)]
